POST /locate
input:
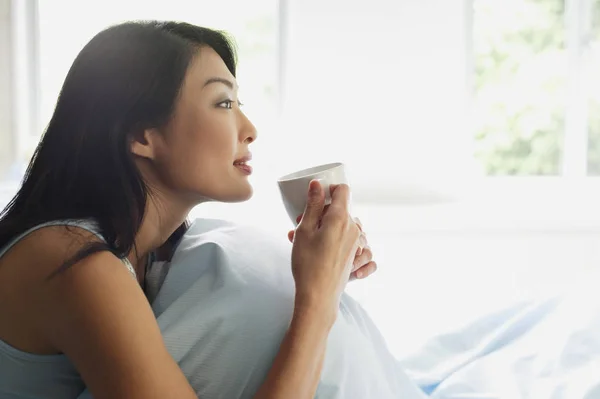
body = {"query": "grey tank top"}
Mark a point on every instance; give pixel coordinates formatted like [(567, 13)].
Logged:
[(30, 376)]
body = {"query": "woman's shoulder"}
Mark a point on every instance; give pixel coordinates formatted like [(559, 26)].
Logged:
[(97, 315), (31, 290), (43, 249)]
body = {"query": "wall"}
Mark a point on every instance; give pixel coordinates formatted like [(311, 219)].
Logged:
[(381, 88)]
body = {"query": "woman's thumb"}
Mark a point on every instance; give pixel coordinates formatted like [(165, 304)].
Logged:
[(314, 204)]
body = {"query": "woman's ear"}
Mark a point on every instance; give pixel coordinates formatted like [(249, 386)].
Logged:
[(144, 143)]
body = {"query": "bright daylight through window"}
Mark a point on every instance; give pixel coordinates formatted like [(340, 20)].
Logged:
[(533, 92), (537, 87)]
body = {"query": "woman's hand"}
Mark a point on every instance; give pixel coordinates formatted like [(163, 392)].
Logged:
[(363, 265), (324, 248)]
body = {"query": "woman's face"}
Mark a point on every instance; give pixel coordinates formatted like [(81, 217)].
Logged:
[(196, 156)]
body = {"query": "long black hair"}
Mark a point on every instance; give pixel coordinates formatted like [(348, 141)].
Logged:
[(125, 80)]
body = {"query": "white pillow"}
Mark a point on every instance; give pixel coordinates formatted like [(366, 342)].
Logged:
[(226, 303)]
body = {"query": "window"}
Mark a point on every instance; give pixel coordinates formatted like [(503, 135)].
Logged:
[(6, 111), (594, 91), (416, 103), (520, 85), (17, 77), (536, 87)]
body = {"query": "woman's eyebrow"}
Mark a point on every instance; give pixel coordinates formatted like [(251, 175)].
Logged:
[(224, 81)]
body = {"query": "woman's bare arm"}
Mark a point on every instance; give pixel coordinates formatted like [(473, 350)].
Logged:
[(297, 367), (96, 313)]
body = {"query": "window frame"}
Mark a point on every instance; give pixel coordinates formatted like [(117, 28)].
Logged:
[(26, 72), (6, 96)]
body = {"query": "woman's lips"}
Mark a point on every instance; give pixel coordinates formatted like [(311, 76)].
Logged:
[(244, 167)]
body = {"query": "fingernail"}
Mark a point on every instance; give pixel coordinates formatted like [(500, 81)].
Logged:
[(314, 187), (359, 274)]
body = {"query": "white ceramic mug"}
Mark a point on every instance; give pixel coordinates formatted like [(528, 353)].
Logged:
[(294, 187)]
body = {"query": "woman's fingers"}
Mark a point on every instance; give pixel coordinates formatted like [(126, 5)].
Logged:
[(363, 264), (364, 271), (299, 218), (358, 223), (363, 259), (362, 241)]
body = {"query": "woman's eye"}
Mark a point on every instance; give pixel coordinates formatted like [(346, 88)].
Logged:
[(228, 104)]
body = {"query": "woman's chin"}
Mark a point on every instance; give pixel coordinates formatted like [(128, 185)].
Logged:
[(241, 195), (240, 199), (231, 194)]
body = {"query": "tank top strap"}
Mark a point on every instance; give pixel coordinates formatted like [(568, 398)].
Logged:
[(88, 225)]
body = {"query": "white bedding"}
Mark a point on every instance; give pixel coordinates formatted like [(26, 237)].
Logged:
[(225, 305), (224, 302), (543, 349)]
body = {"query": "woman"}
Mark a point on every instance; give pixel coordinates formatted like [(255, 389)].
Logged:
[(147, 125)]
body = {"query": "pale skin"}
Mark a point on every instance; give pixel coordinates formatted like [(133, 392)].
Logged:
[(97, 314)]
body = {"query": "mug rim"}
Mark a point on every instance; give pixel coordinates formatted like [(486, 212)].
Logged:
[(313, 170)]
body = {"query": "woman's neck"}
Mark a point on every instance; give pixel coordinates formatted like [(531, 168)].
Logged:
[(155, 230)]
